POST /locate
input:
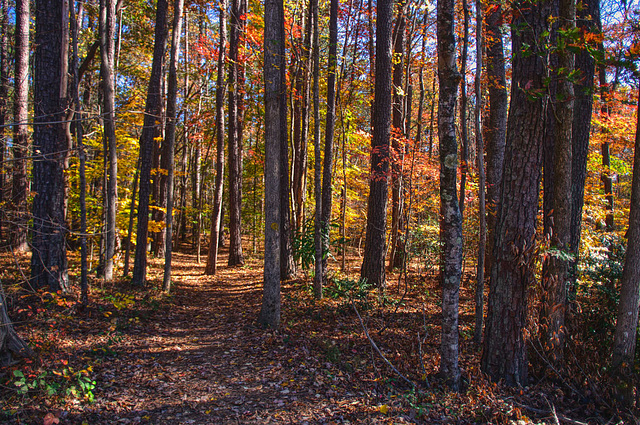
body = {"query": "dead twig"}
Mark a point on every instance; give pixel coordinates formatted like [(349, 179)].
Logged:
[(375, 347)]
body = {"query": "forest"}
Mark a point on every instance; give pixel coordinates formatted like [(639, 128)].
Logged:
[(319, 212)]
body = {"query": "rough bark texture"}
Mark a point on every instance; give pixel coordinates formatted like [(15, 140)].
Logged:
[(4, 109), (21, 130), (238, 9), (624, 343), (327, 172), (373, 265), (216, 219), (496, 128), (512, 272), (464, 129), (396, 256), (588, 19), (482, 239), (172, 94), (450, 218), (107, 55), (554, 284), (152, 123), (317, 174), (274, 86), (49, 253), (10, 343)]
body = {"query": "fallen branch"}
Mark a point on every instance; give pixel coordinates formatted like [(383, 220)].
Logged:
[(375, 347), (556, 417)]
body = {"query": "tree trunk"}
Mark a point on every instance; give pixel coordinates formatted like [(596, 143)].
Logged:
[(152, 123), (20, 185), (373, 264), (317, 238), (496, 128), (554, 284), (4, 109), (235, 134), (274, 63), (451, 220), (107, 55), (49, 252), (482, 239), (624, 342), (10, 342), (327, 173), (512, 272), (132, 209), (464, 133), (216, 219), (396, 256), (171, 138), (588, 20)]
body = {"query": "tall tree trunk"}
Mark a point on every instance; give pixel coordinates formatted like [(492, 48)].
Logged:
[(152, 123), (373, 264), (107, 55), (275, 135), (10, 343), (19, 187), (327, 173), (554, 284), (317, 278), (216, 219), (4, 109), (451, 220), (235, 134), (482, 240), (588, 20), (496, 128), (171, 138), (464, 129), (132, 209), (624, 342), (397, 139), (512, 272), (49, 252)]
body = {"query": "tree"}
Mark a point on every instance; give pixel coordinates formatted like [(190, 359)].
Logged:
[(317, 185), (496, 128), (512, 271), (396, 257), (238, 10), (171, 138), (49, 252), (624, 342), (150, 129), (450, 217), (107, 55), (20, 130), (274, 82), (327, 173), (4, 91), (216, 219), (555, 282), (373, 264), (10, 343)]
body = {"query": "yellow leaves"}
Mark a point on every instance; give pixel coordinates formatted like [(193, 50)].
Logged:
[(384, 409)]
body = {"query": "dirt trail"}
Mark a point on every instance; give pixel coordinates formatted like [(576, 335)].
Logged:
[(203, 361)]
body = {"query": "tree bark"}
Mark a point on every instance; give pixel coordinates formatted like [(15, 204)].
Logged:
[(450, 218), (396, 256), (512, 272), (464, 132), (10, 343), (216, 219), (170, 133), (152, 123), (274, 63), (496, 129), (482, 214), (373, 264), (107, 55), (327, 172), (317, 184), (4, 108), (624, 342), (238, 10), (20, 185)]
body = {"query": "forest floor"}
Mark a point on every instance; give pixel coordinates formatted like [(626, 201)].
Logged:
[(197, 356)]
